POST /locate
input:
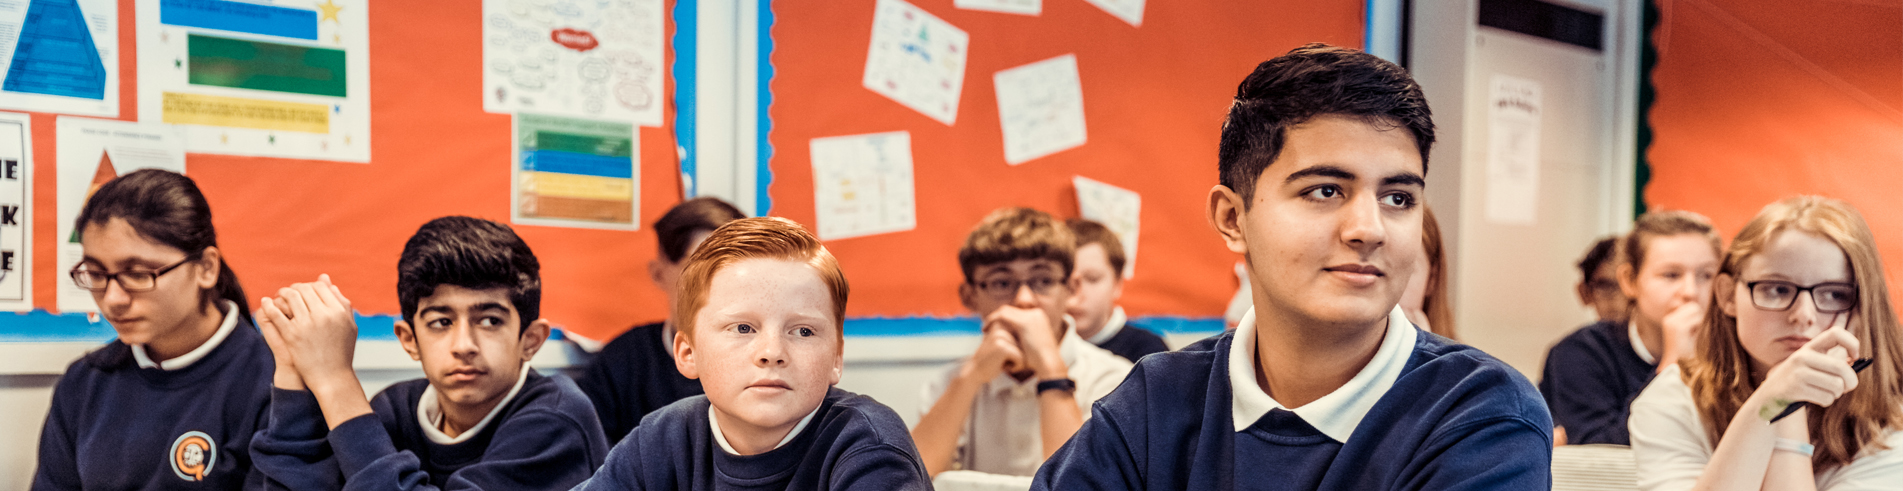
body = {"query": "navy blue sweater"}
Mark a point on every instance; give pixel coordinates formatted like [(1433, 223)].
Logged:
[(633, 376), (116, 426), (1455, 419), (545, 438), (852, 443), (1590, 380), (1134, 342)]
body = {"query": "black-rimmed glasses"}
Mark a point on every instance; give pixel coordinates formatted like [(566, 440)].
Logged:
[(1829, 298), (131, 281), (1008, 287)]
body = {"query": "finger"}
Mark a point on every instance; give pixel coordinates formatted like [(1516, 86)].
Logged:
[(274, 316), (1821, 384), (314, 294), (293, 298), (1835, 338)]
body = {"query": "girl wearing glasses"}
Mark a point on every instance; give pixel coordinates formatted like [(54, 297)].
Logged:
[(173, 402), (1800, 306)]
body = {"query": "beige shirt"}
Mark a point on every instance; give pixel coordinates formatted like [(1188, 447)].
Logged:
[(1002, 434)]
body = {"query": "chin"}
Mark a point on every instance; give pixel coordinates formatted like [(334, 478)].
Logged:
[(1350, 310)]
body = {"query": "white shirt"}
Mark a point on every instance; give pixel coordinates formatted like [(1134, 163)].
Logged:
[(429, 413), (1671, 447), (1002, 435), (1110, 326), (190, 357), (1338, 413), (1638, 344), (721, 438)]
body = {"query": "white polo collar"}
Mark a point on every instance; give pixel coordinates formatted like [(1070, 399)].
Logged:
[(721, 438), (1638, 343), (429, 413), (1110, 326), (224, 329), (1338, 413)]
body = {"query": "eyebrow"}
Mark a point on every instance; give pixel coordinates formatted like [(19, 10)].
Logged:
[(1336, 172), (445, 310)]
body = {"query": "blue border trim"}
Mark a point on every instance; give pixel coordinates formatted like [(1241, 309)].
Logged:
[(968, 325), (40, 326), (763, 173), (686, 53)]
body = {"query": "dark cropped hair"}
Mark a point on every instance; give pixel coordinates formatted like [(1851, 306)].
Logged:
[(471, 253), (1315, 80), (1090, 232), (1601, 251), (1010, 234), (165, 207), (676, 228)]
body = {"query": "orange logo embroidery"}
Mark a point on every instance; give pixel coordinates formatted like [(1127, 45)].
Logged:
[(193, 455)]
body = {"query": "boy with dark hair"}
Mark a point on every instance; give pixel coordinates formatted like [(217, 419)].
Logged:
[(1325, 385), (1005, 408), (480, 418), (1095, 287), (634, 374), (761, 315)]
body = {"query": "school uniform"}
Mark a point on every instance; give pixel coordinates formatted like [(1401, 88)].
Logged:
[(1002, 435), (543, 435), (120, 420), (1591, 378), (850, 442), (1425, 413), (632, 376), (1127, 340), (1671, 447)]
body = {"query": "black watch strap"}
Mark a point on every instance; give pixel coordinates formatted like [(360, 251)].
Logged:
[(1063, 384)]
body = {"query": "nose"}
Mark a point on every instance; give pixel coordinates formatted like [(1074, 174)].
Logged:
[(1024, 297), (769, 350), (115, 297), (1362, 227), (462, 341), (1803, 313)]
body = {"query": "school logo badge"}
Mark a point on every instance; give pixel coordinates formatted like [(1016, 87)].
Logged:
[(193, 455)]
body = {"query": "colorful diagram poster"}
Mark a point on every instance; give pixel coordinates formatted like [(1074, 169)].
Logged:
[(575, 173), (60, 56), (274, 78), (16, 201), (916, 59), (91, 153), (591, 59), (862, 184)]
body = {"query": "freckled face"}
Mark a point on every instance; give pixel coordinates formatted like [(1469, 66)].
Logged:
[(1802, 259), (765, 346)]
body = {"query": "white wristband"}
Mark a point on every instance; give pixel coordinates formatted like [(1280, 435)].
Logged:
[(1796, 447)]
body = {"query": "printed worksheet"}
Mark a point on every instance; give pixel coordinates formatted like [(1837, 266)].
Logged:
[(1041, 107), (595, 59), (1130, 11), (60, 56), (916, 59), (1513, 151), (1118, 209), (91, 153), (862, 184), (16, 213), (1022, 7), (274, 78)]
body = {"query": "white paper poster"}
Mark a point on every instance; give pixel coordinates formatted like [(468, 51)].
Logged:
[(1041, 107), (1513, 150), (92, 152), (287, 79), (60, 56), (1130, 11), (16, 216), (1023, 7), (916, 59), (862, 184), (1118, 209), (572, 172), (600, 59)]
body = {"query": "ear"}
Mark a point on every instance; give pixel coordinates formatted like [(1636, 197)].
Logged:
[(839, 361), (1722, 286), (684, 356), (1225, 214), (407, 337), (1628, 280), (208, 268), (656, 270), (534, 336), (967, 294), (1583, 289), (1116, 286)]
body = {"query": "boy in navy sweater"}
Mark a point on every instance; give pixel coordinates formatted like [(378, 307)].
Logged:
[(470, 291), (1095, 287), (1325, 385), (760, 312)]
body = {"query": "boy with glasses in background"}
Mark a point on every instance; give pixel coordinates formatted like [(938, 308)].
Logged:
[(1029, 386)]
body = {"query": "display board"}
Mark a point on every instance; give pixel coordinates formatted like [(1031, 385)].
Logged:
[(898, 125)]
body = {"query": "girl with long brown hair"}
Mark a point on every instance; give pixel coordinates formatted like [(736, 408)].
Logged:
[(1800, 299)]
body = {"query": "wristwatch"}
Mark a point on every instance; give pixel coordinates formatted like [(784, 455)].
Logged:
[(1063, 384)]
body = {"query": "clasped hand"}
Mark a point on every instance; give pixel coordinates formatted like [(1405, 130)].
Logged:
[(311, 332)]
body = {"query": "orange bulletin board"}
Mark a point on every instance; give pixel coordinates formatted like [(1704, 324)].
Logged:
[(1154, 98), (1758, 101), (434, 153)]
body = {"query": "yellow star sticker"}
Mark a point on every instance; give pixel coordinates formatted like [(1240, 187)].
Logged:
[(329, 9)]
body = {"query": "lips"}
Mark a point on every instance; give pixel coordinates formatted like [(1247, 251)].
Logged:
[(770, 384), (1793, 342), (1356, 275), (464, 374)]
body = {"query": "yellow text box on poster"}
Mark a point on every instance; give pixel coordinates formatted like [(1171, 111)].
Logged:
[(236, 112), (577, 186)]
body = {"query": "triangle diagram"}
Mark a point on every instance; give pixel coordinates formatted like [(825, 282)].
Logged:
[(55, 54)]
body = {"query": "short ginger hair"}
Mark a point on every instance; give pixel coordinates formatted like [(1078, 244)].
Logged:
[(756, 238)]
